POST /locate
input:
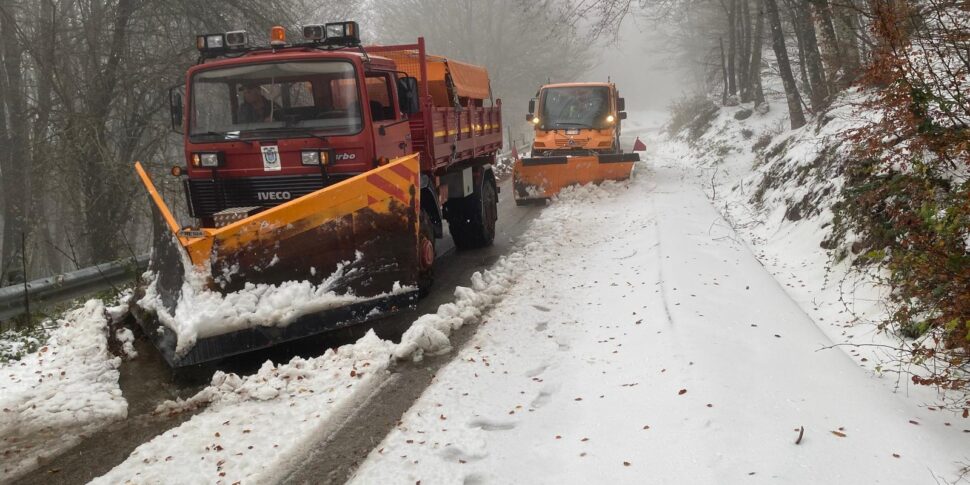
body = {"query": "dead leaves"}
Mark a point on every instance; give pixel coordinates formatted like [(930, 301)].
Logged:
[(682, 392)]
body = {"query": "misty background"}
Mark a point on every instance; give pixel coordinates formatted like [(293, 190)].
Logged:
[(84, 84)]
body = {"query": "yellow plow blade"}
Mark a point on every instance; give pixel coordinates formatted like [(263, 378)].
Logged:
[(367, 225), (539, 178)]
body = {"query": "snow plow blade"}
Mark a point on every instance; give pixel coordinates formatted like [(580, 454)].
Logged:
[(539, 178), (355, 240)]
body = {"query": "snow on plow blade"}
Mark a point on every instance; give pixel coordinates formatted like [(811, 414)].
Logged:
[(543, 177), (354, 244)]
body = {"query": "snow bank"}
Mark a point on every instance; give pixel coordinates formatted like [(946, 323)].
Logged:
[(258, 425), (201, 313), (68, 389)]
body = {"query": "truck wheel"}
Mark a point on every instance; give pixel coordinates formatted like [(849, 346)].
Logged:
[(426, 255), (473, 225)]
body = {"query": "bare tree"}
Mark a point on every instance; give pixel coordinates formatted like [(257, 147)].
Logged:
[(796, 115)]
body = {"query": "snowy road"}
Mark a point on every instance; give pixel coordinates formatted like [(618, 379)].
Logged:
[(635, 339), (659, 350)]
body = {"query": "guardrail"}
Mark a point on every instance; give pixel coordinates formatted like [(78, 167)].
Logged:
[(63, 287)]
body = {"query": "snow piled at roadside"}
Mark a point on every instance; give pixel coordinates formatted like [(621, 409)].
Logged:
[(202, 313), (256, 427), (66, 390), (260, 424)]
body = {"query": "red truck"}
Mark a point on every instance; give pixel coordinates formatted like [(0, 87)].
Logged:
[(304, 157)]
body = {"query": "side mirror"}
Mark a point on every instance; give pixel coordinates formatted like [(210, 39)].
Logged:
[(622, 115), (620, 104), (407, 95), (529, 117), (175, 108), (532, 105)]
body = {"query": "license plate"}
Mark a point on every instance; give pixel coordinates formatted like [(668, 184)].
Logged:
[(572, 131)]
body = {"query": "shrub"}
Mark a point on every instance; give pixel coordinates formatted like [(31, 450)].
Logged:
[(692, 114)]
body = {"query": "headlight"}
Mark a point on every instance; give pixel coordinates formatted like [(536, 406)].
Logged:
[(207, 160), (213, 41), (315, 157), (237, 38), (535, 120), (610, 118)]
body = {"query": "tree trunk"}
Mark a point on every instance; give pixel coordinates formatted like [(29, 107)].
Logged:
[(744, 54), (732, 47), (795, 113), (832, 54), (103, 185), (847, 31), (724, 74), (46, 258), (758, 40), (13, 158), (813, 59)]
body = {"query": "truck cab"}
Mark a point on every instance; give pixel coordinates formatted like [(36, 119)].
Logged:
[(272, 125), (576, 118)]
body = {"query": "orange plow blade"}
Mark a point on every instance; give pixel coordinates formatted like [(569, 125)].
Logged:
[(356, 239), (539, 178)]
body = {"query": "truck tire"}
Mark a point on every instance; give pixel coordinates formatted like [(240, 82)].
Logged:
[(425, 271), (472, 223)]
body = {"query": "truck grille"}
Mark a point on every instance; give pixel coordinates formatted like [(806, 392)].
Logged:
[(577, 142), (208, 196)]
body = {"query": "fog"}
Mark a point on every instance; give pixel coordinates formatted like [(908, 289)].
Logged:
[(640, 62)]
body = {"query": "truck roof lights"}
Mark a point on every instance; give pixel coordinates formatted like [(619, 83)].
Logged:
[(342, 34), (335, 34), (211, 43), (345, 34), (277, 36), (314, 33), (237, 39)]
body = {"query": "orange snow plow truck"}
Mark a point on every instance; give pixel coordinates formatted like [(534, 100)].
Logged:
[(577, 140), (320, 161)]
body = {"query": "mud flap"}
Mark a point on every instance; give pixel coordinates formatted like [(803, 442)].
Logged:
[(366, 226), (544, 177)]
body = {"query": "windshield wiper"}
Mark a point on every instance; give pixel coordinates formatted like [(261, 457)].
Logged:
[(288, 131), (210, 133)]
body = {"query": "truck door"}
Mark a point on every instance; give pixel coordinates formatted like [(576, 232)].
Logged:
[(392, 134)]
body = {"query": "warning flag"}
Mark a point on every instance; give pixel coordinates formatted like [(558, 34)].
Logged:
[(639, 146)]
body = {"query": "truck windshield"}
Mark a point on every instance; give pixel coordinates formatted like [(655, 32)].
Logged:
[(276, 97), (574, 107)]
